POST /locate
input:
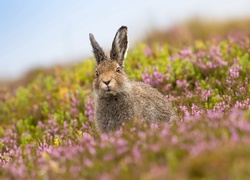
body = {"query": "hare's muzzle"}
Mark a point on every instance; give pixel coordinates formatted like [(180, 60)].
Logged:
[(107, 85), (106, 82)]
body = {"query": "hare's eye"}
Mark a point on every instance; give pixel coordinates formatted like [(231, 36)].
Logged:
[(96, 73), (118, 69)]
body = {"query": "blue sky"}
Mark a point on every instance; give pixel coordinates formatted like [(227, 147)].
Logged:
[(36, 33)]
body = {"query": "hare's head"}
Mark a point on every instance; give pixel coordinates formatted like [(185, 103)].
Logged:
[(110, 77)]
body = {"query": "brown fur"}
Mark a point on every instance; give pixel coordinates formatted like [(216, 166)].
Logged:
[(118, 99)]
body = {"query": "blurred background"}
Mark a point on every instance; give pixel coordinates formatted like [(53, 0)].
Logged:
[(40, 34)]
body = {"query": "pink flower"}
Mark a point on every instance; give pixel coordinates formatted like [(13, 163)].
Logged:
[(234, 71), (87, 162), (215, 51), (185, 53), (184, 110), (108, 157), (89, 108), (136, 152), (174, 140), (182, 84), (195, 110), (153, 79), (148, 51), (174, 57), (205, 94)]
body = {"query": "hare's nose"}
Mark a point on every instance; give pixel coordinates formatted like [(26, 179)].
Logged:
[(106, 82)]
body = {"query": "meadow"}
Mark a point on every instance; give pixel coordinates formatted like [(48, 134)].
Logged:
[(47, 129)]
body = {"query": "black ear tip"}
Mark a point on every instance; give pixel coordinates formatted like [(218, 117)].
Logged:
[(91, 35), (123, 28), (92, 38)]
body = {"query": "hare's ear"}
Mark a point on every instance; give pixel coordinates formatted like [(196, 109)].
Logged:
[(97, 50), (120, 45)]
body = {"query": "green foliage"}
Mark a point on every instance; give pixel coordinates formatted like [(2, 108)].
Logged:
[(245, 62)]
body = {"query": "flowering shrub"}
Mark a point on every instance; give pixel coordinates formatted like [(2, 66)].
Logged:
[(47, 129)]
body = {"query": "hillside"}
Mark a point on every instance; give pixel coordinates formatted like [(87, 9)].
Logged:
[(185, 34), (47, 129)]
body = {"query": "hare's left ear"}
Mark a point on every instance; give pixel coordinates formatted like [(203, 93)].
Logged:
[(97, 50), (120, 46)]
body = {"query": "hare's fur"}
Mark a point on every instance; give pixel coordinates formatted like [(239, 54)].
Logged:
[(118, 99)]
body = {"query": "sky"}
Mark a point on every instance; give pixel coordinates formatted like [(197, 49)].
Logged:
[(43, 33)]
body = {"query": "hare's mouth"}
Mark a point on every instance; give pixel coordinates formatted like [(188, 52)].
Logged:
[(109, 91)]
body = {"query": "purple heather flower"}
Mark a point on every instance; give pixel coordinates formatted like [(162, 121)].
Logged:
[(182, 84), (148, 51), (136, 152), (87, 162), (108, 157), (89, 108), (185, 53), (174, 57), (205, 94), (215, 51), (184, 110), (153, 79), (234, 71), (174, 140), (195, 110)]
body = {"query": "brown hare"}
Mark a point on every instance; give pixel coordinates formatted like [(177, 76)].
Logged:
[(119, 99)]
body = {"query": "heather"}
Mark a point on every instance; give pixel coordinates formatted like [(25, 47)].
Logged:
[(47, 129)]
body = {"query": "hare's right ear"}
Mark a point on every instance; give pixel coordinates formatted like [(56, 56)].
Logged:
[(120, 45), (97, 50)]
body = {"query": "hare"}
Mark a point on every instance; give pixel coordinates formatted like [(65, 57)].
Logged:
[(117, 99)]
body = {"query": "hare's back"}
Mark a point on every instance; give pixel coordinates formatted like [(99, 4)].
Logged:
[(150, 104)]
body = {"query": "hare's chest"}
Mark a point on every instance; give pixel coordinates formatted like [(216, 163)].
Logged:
[(115, 109), (110, 115)]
